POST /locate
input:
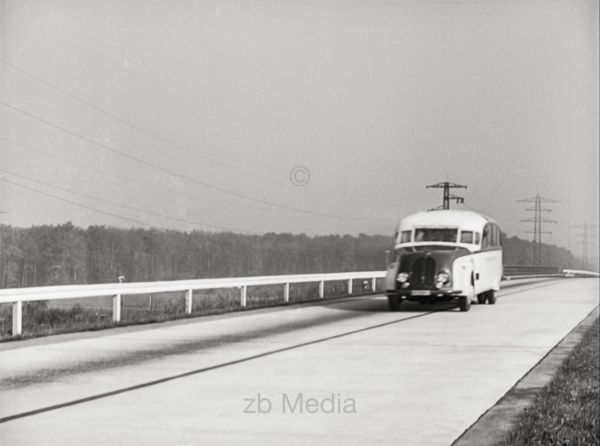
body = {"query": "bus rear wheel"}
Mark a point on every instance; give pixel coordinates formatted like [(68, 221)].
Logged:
[(491, 297), (481, 298)]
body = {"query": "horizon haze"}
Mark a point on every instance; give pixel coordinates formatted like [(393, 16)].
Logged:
[(302, 117)]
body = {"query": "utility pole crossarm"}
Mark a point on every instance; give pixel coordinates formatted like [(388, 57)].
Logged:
[(541, 209), (536, 198), (446, 185), (541, 220)]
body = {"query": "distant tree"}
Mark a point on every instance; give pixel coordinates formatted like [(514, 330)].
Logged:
[(61, 254)]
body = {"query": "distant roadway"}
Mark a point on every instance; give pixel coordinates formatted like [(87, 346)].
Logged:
[(345, 372)]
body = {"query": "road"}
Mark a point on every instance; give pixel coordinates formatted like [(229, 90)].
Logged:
[(345, 372)]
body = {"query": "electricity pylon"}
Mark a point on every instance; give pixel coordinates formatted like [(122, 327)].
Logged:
[(537, 223), (586, 235)]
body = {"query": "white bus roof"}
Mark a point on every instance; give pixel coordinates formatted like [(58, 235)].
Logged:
[(450, 218)]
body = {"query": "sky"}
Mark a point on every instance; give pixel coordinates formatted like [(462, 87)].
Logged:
[(315, 117)]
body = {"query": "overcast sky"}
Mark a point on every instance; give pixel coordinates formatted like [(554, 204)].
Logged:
[(192, 114)]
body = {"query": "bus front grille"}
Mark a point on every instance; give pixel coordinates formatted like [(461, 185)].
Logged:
[(423, 272)]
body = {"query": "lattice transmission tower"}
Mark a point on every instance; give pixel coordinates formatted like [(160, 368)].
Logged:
[(586, 236), (537, 221), (447, 195)]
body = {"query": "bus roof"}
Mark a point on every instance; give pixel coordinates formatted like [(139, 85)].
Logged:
[(445, 218)]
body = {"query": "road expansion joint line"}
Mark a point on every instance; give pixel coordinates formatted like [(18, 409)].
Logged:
[(203, 370)]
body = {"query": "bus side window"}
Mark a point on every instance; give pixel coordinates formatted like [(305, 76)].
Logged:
[(476, 238), (494, 236), (485, 239)]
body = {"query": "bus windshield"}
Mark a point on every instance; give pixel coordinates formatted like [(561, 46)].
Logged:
[(436, 235)]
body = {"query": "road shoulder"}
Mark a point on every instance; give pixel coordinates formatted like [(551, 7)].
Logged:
[(496, 422)]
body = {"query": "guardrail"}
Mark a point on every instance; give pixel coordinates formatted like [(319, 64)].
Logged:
[(515, 271), (17, 296), (580, 273)]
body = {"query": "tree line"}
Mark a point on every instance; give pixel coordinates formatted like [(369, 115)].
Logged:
[(67, 254)]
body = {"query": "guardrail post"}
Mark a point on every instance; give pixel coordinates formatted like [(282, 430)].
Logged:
[(189, 294), (322, 289), (286, 292), (17, 318), (243, 296), (373, 283), (349, 286), (117, 308)]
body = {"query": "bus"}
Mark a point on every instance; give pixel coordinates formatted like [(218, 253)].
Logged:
[(443, 256)]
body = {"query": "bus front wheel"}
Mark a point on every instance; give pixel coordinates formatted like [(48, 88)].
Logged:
[(464, 303), (394, 303)]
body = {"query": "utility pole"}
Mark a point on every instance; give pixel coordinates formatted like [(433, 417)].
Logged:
[(586, 235), (537, 223), (447, 195)]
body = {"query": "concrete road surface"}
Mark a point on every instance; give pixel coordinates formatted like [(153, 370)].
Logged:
[(347, 372)]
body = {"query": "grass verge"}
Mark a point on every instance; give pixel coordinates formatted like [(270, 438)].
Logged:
[(567, 411)]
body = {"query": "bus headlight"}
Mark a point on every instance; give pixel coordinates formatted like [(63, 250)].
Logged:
[(402, 277), (442, 278)]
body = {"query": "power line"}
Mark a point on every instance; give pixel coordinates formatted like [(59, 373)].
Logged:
[(124, 206), (47, 194), (447, 195), (132, 220), (134, 126), (178, 175), (537, 221), (105, 173), (168, 142)]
